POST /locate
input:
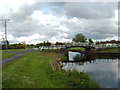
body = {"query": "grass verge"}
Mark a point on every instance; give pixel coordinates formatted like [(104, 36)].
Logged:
[(111, 50), (7, 55), (12, 50), (76, 49), (36, 70)]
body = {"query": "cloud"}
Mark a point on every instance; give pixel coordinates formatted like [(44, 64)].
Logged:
[(90, 10), (35, 21), (62, 28)]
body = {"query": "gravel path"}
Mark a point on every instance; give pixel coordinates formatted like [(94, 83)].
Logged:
[(18, 54)]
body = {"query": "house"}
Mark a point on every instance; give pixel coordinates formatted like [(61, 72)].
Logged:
[(105, 44), (53, 44)]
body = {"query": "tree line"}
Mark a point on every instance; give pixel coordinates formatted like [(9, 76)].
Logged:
[(77, 38)]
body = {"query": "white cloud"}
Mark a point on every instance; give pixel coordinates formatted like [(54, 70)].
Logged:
[(44, 19), (14, 4), (34, 22), (62, 28), (59, 39), (33, 38), (116, 15), (10, 37), (1, 36)]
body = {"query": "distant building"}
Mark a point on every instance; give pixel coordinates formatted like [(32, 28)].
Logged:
[(104, 44), (53, 44)]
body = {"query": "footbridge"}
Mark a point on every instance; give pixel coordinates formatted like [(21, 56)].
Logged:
[(82, 45)]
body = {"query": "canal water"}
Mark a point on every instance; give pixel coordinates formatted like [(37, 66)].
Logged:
[(104, 71)]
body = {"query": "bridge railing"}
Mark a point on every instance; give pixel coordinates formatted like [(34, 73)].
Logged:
[(79, 44)]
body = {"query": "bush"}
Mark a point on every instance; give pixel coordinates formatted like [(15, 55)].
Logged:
[(14, 46)]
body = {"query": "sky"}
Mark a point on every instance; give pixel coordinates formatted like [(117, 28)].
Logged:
[(33, 21)]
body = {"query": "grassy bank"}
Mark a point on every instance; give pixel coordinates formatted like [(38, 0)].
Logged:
[(36, 70), (12, 50), (110, 50), (76, 49), (7, 55)]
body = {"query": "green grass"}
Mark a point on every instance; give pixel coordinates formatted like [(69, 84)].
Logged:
[(36, 70), (111, 50), (76, 49), (11, 50), (49, 49), (63, 58), (7, 55)]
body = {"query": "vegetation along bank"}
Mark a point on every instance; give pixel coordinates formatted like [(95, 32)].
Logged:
[(40, 70)]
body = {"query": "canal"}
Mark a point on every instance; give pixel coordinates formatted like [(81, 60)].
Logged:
[(103, 70)]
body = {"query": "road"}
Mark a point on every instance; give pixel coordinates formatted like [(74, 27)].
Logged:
[(18, 54)]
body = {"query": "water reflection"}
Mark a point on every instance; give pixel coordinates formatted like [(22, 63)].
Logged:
[(104, 71), (72, 55), (77, 56)]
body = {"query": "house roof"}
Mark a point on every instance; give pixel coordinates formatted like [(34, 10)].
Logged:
[(110, 42), (53, 43)]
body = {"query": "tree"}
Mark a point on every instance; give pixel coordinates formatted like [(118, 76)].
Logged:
[(113, 40), (97, 42), (32, 45), (44, 44), (4, 42), (38, 45), (48, 44), (79, 38), (90, 41), (58, 44)]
